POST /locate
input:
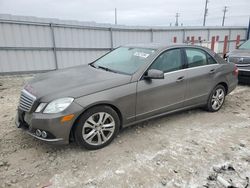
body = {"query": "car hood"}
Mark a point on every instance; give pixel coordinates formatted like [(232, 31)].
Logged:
[(74, 82), (240, 53)]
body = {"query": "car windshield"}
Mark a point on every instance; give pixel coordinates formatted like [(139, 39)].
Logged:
[(125, 60), (245, 45)]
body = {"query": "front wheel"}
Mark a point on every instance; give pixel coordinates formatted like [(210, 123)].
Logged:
[(97, 127), (216, 98)]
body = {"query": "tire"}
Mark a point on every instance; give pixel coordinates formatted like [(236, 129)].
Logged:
[(97, 127), (216, 99)]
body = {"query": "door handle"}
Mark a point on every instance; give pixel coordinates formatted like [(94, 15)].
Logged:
[(212, 71), (180, 79)]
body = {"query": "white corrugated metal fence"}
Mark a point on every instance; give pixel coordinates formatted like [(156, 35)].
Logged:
[(29, 44)]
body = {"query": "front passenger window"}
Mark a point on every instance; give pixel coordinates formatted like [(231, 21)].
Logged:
[(168, 61), (196, 57)]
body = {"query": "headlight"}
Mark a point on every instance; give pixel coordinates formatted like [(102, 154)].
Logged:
[(58, 105)]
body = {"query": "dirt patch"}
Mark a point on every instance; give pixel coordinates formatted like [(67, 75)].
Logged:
[(179, 150)]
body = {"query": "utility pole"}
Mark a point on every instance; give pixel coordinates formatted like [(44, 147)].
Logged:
[(224, 15), (176, 19), (205, 13), (115, 16)]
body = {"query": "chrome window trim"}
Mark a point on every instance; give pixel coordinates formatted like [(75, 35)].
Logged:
[(190, 68)]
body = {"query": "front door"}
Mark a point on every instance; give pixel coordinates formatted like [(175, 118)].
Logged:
[(156, 96)]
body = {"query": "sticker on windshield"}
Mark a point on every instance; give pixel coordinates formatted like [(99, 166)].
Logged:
[(141, 54)]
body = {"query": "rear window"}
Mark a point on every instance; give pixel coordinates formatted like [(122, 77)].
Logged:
[(196, 57)]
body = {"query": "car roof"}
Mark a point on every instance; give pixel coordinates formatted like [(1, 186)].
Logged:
[(157, 46), (161, 47)]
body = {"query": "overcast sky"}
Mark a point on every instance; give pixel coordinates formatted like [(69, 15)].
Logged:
[(133, 12)]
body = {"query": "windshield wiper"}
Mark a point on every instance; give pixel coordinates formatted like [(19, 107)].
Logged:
[(107, 69), (92, 65)]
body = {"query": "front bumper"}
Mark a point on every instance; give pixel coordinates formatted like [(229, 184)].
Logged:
[(57, 132), (244, 74)]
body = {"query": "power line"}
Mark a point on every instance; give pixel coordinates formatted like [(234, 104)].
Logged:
[(176, 19), (224, 15), (205, 13)]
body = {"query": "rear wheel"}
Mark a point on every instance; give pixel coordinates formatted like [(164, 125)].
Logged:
[(216, 98), (97, 127)]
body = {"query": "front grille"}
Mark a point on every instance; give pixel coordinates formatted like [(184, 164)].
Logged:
[(233, 59), (26, 101), (240, 60), (246, 60)]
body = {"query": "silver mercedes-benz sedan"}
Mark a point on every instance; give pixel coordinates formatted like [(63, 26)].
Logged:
[(91, 103)]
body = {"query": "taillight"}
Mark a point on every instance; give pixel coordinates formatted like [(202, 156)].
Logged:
[(236, 71)]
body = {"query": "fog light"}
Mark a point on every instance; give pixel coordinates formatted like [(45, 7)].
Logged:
[(38, 132), (44, 134)]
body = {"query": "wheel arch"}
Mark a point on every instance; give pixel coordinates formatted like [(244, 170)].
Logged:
[(115, 108), (224, 84)]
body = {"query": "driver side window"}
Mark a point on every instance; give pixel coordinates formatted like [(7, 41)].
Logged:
[(168, 61)]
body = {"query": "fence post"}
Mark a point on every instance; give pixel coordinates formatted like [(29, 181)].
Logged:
[(54, 45), (212, 43), (229, 39), (208, 34), (183, 35), (151, 35), (237, 41), (111, 38), (225, 45), (217, 38), (175, 39), (192, 40), (248, 30)]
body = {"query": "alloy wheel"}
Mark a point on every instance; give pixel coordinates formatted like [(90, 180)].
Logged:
[(98, 128), (218, 98)]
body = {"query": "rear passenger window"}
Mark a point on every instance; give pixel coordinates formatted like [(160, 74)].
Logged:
[(196, 57), (210, 60)]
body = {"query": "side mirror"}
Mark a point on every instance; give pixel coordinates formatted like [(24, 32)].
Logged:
[(225, 56), (154, 74)]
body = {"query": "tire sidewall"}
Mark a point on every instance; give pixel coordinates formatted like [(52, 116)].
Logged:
[(209, 105), (79, 126)]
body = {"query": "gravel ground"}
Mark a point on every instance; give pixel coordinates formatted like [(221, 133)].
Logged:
[(187, 149)]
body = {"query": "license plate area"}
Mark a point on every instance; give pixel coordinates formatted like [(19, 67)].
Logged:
[(21, 119)]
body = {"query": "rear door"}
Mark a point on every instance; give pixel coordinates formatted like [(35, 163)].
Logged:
[(201, 71), (157, 96)]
